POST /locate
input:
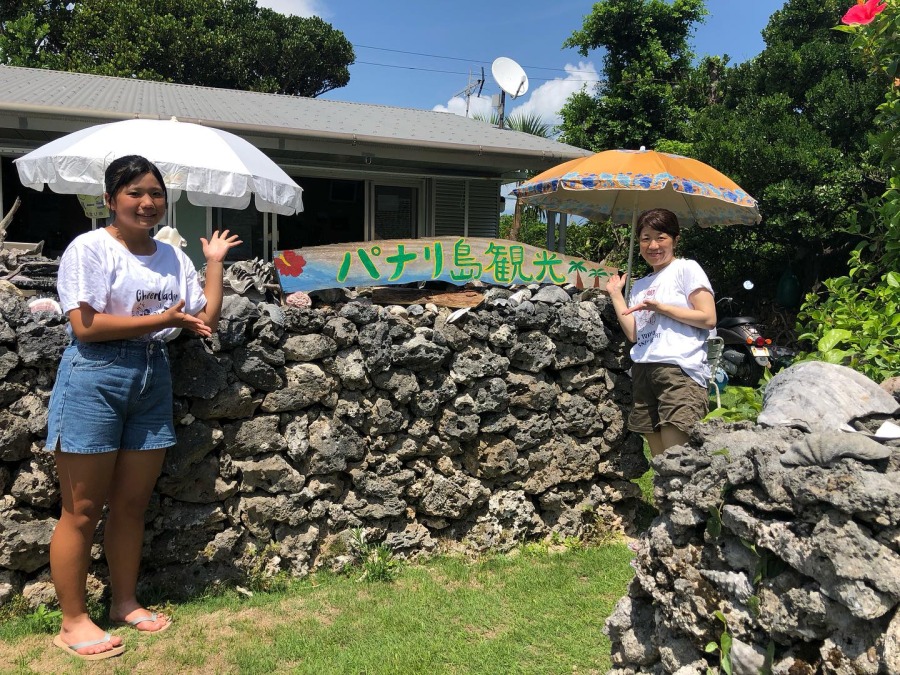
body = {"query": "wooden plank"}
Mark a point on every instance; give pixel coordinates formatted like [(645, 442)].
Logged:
[(417, 296)]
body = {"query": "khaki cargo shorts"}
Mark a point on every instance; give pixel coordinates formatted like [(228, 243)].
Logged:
[(664, 394)]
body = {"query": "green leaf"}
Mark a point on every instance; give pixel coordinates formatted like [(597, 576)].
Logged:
[(835, 356), (753, 605), (714, 524), (725, 641), (726, 666), (833, 338)]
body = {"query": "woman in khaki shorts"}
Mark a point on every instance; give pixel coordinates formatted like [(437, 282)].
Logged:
[(668, 316)]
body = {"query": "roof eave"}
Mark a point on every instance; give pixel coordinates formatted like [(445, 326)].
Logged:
[(503, 155)]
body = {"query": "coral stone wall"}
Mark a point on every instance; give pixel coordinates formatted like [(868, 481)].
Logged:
[(786, 543), (296, 426)]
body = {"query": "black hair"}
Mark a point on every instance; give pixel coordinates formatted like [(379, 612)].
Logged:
[(127, 169), (661, 220)]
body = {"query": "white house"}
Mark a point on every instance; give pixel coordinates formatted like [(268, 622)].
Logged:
[(368, 171)]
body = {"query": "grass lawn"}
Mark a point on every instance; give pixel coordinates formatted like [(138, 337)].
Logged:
[(535, 611)]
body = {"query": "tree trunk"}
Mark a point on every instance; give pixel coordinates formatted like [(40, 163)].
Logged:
[(517, 222)]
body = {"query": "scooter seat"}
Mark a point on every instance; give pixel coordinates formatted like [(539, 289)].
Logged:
[(732, 321)]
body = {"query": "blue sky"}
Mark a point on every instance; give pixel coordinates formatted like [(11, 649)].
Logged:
[(474, 32)]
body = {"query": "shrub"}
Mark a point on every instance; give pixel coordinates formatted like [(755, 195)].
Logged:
[(856, 321)]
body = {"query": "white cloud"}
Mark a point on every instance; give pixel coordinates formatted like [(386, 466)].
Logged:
[(544, 101), (478, 105), (547, 100), (304, 8)]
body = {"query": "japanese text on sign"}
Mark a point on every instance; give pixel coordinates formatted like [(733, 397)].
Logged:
[(457, 260)]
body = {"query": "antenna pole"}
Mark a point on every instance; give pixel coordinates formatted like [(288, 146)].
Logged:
[(468, 92), (473, 84), (500, 109)]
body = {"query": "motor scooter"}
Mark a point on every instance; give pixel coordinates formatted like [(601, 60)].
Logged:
[(746, 352)]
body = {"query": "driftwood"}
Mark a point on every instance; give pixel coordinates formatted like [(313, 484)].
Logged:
[(7, 219), (420, 296)]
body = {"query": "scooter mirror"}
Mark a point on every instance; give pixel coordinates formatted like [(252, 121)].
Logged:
[(748, 285)]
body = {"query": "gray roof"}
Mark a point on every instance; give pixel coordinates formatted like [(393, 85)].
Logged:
[(91, 99)]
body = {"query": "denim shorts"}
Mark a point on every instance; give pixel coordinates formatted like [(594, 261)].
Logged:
[(664, 394), (108, 396)]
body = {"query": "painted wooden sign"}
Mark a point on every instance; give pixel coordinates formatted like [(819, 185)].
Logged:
[(94, 206), (457, 260)]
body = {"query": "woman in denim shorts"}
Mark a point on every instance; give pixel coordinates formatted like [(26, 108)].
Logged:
[(110, 414), (669, 316)]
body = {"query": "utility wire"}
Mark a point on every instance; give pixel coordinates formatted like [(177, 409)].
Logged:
[(539, 79), (456, 58), (455, 72)]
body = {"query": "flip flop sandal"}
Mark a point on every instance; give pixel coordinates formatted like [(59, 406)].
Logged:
[(141, 619), (72, 650)]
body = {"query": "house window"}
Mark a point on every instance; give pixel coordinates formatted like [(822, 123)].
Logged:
[(333, 212), (396, 212), (248, 225)]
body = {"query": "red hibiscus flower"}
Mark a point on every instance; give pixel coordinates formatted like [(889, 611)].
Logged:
[(290, 264), (864, 12)]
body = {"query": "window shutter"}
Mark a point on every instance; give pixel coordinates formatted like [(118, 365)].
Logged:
[(484, 209), (449, 208)]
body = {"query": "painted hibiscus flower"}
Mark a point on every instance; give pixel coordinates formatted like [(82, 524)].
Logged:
[(864, 12), (290, 263)]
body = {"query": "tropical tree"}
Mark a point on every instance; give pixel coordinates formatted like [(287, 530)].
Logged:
[(791, 127), (853, 320), (646, 63), (527, 123), (647, 96), (26, 29), (219, 43)]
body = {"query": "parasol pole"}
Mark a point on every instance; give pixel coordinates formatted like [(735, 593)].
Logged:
[(630, 249)]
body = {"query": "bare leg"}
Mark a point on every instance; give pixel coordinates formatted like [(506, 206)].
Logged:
[(84, 483), (135, 475), (668, 436), (672, 436), (655, 442)]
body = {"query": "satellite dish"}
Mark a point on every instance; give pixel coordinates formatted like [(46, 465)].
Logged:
[(512, 80), (510, 76)]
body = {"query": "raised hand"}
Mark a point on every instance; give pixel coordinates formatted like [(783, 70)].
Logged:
[(616, 283), (220, 242)]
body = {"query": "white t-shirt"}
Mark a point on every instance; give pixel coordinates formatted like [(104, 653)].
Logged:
[(661, 339), (98, 270)]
